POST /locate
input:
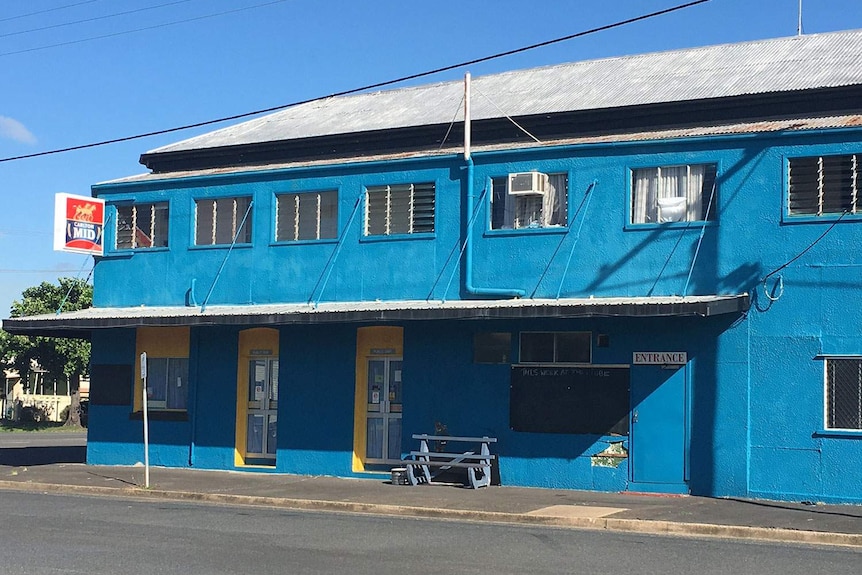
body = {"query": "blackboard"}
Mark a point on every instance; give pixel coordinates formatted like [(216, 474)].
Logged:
[(577, 400), (111, 384)]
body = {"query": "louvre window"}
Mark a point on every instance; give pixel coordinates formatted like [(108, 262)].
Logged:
[(142, 226), (219, 221), (400, 209), (844, 393), (512, 212), (822, 185), (307, 216), (674, 194)]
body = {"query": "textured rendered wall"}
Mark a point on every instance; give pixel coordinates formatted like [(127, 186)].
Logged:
[(756, 389)]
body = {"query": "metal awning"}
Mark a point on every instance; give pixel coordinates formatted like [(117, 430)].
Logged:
[(79, 324)]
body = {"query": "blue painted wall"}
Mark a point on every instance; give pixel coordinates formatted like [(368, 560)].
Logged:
[(756, 383)]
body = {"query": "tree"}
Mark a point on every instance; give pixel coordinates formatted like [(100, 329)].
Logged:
[(60, 357)]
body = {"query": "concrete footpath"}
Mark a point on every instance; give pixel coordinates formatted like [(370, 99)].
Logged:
[(689, 516)]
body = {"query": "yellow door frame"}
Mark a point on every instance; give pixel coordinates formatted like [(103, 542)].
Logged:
[(375, 341)]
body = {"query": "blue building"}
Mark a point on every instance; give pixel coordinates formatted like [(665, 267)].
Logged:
[(640, 275)]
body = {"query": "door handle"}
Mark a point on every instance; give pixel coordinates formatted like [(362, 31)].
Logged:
[(635, 416)]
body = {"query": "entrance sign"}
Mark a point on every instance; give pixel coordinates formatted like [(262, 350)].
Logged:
[(79, 223), (659, 358)]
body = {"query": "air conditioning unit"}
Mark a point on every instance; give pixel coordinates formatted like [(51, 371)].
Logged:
[(528, 184)]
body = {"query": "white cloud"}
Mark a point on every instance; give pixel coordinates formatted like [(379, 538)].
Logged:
[(15, 130)]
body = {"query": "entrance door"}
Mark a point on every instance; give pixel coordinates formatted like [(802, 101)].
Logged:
[(658, 431), (262, 408), (383, 413)]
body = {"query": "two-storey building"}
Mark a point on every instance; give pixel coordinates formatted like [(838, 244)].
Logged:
[(642, 274)]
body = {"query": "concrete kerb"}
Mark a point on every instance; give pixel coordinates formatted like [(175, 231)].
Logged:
[(644, 526)]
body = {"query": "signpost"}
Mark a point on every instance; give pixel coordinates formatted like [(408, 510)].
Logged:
[(146, 426)]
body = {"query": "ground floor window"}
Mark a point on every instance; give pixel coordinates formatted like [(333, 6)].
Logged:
[(843, 392), (556, 347), (167, 382)]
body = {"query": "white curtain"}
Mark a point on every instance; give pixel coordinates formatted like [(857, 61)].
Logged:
[(652, 184), (644, 201), (694, 194)]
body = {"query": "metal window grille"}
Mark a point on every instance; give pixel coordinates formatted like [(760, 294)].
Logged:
[(844, 393), (401, 209), (824, 184)]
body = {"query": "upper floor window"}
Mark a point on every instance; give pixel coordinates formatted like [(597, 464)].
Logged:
[(142, 226), (401, 209), (556, 347), (825, 185), (529, 200), (674, 194), (217, 221), (844, 393), (306, 216)]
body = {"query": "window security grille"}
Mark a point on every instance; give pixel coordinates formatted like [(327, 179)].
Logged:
[(217, 221), (401, 209), (142, 226), (825, 185), (844, 393), (307, 216)]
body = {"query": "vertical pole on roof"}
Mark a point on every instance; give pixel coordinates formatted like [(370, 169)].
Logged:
[(799, 24), (467, 133)]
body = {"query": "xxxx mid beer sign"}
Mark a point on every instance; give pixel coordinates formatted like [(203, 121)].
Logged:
[(78, 224)]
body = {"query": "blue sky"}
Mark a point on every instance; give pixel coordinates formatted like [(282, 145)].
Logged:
[(175, 73)]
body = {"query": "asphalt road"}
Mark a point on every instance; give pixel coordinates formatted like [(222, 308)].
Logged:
[(71, 534), (23, 449)]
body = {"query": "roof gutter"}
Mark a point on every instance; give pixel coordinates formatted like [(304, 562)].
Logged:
[(469, 287)]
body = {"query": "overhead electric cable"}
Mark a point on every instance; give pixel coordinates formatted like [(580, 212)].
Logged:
[(145, 28), (93, 19), (54, 9), (357, 90)]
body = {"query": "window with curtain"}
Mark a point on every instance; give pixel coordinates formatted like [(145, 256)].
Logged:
[(220, 220), (306, 216), (512, 212), (822, 185), (142, 226), (669, 194)]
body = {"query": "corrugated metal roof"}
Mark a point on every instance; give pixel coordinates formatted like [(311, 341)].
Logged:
[(766, 126), (784, 64), (344, 312)]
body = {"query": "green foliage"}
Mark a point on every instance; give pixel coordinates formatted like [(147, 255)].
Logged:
[(58, 356)]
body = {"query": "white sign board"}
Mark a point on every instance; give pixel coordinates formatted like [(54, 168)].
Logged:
[(659, 358)]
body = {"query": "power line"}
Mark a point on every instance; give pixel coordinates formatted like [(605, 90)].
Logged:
[(360, 89), (93, 19), (144, 29), (54, 9)]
